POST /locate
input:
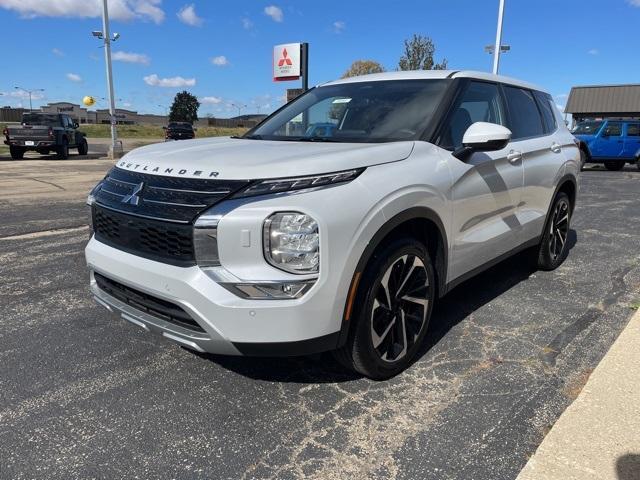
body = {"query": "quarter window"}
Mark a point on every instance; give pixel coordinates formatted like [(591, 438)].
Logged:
[(613, 129), (524, 116), (633, 130), (479, 103)]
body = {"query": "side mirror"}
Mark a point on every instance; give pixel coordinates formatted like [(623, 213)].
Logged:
[(75, 125), (482, 137), (164, 128)]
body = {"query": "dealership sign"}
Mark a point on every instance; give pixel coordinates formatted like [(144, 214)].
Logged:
[(286, 62)]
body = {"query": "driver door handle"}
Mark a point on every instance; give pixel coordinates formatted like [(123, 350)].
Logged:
[(514, 157), (556, 148)]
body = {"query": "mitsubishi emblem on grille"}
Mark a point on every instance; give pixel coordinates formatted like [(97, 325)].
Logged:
[(133, 198)]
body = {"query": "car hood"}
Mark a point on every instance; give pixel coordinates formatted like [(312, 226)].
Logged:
[(236, 158)]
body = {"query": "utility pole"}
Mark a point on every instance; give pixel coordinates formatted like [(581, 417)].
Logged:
[(498, 44)]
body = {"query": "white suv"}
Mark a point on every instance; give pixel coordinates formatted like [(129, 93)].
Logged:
[(338, 221)]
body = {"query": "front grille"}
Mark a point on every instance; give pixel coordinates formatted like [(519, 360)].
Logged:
[(146, 303), (165, 198), (152, 215), (161, 241)]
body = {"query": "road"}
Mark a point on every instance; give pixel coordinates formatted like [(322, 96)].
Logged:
[(86, 395)]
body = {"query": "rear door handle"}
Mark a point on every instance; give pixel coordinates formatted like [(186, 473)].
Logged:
[(514, 157), (556, 148)]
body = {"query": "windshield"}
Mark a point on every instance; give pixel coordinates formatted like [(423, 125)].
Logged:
[(41, 119), (382, 111), (587, 128)]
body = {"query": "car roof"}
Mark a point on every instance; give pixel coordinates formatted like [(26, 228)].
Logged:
[(435, 74)]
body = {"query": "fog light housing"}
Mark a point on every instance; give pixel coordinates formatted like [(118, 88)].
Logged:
[(270, 290), (291, 242)]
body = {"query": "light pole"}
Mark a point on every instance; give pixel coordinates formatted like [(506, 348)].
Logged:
[(166, 110), (238, 106), (30, 92), (105, 36), (497, 47)]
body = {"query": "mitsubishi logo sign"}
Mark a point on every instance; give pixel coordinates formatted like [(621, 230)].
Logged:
[(286, 62), (133, 198), (284, 59)]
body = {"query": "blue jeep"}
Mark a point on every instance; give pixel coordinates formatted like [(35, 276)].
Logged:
[(612, 142)]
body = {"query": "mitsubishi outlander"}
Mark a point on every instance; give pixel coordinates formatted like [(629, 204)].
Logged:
[(338, 221)]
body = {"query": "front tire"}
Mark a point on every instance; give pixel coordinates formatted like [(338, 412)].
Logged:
[(583, 159), (554, 246), (63, 150), (614, 166), (83, 147), (394, 303), (17, 153)]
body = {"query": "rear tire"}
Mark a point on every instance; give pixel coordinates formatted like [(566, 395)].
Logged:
[(83, 147), (394, 303), (17, 153), (63, 150), (614, 166), (553, 249)]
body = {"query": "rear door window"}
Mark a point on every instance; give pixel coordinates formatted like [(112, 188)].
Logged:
[(613, 129), (633, 130), (524, 117), (548, 115)]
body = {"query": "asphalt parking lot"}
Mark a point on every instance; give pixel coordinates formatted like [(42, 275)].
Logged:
[(86, 395)]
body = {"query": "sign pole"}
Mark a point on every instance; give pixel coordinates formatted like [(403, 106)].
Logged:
[(304, 58)]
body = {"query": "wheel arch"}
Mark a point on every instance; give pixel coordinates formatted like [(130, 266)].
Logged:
[(418, 222)]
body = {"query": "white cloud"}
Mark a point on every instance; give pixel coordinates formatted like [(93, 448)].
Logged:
[(127, 104), (272, 11), (174, 82), (210, 100), (130, 57), (594, 51), (57, 52), (561, 95), (124, 10), (247, 24), (635, 3), (74, 77), (188, 15), (339, 26), (220, 61)]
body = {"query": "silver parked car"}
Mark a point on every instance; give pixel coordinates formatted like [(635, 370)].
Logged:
[(337, 222)]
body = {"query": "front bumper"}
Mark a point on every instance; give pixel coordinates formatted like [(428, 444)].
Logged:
[(231, 325)]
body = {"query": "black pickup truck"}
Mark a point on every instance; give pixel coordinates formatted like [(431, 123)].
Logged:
[(43, 133)]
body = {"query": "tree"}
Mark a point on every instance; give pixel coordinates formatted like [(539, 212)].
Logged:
[(363, 67), (418, 55), (184, 108)]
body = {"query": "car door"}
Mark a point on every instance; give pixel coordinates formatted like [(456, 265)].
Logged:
[(610, 142), (535, 127), (631, 140), (487, 187)]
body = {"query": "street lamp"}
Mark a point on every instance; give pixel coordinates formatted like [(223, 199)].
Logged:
[(105, 36), (166, 110), (30, 92), (497, 49), (238, 106)]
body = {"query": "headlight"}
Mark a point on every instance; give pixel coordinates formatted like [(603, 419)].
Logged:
[(278, 185), (291, 242), (91, 198)]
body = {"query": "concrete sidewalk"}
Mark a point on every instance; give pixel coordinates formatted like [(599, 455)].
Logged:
[(598, 436)]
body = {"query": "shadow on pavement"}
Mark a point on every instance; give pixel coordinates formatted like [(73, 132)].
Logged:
[(448, 312), (628, 467), (52, 157)]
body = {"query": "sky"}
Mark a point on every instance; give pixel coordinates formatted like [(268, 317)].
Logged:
[(221, 50)]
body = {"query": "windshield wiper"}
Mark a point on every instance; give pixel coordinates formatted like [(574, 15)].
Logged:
[(250, 137), (316, 139)]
